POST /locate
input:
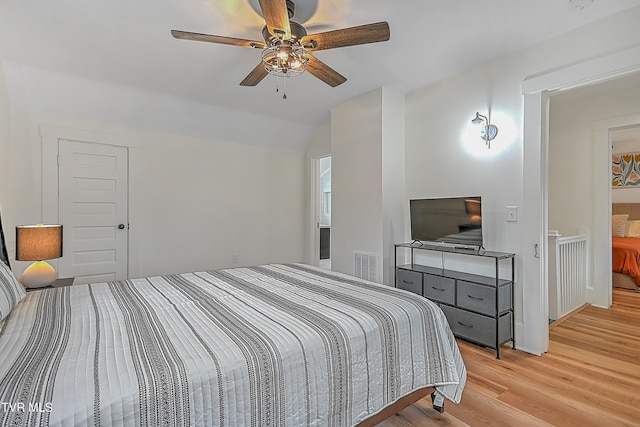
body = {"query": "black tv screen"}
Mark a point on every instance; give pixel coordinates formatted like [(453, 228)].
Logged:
[(456, 220)]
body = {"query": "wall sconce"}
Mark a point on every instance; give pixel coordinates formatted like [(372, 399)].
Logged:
[(38, 243), (489, 131)]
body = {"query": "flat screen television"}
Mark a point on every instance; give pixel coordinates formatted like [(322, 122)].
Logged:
[(455, 220)]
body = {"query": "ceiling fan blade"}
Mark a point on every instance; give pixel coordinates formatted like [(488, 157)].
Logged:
[(277, 17), (255, 76), (186, 35), (363, 34), (324, 72)]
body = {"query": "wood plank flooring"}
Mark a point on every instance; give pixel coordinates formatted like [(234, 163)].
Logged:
[(589, 377)]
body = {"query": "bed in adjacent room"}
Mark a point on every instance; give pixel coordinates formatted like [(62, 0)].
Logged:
[(266, 345), (625, 245)]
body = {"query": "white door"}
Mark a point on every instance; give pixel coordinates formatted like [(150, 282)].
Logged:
[(92, 205)]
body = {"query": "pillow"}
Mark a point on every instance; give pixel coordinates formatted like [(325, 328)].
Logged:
[(632, 229), (618, 223), (11, 291)]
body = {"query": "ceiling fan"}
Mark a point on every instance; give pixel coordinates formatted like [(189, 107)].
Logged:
[(287, 46)]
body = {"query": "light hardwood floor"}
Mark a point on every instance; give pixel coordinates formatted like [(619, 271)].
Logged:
[(589, 377)]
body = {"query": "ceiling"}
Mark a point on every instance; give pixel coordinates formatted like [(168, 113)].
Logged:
[(616, 87), (128, 43), (625, 135)]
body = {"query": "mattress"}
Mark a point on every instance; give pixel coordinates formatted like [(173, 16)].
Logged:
[(262, 346), (625, 256)]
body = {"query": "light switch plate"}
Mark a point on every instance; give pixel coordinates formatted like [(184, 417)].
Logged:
[(512, 214)]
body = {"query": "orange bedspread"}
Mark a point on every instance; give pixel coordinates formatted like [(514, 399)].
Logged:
[(625, 256)]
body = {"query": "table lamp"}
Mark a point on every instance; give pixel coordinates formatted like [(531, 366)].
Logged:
[(474, 209), (38, 243)]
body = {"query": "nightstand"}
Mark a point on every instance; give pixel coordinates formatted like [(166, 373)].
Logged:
[(59, 283)]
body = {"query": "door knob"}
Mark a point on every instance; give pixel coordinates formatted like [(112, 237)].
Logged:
[(121, 226)]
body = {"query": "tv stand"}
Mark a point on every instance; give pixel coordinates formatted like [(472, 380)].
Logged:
[(478, 307), (469, 249)]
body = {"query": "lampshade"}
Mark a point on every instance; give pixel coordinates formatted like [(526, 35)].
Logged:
[(472, 207), (38, 242)]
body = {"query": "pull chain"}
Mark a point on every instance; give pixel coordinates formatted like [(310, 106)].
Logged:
[(284, 88)]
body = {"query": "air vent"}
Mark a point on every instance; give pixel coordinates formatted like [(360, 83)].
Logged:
[(577, 5), (365, 265)]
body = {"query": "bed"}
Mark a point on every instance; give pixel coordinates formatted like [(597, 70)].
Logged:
[(270, 345), (625, 245)]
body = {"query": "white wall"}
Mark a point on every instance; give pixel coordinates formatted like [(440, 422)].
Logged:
[(445, 155), (206, 182), (5, 117), (395, 207), (320, 144), (367, 147), (440, 162), (571, 142), (5, 120), (46, 92), (208, 200), (356, 149), (194, 202)]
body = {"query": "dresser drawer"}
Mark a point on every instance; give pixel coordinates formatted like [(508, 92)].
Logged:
[(409, 280), (477, 297), (483, 298), (439, 288), (476, 327)]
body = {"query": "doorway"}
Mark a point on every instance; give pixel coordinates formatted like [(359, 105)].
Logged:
[(625, 197), (324, 212), (92, 206), (575, 195), (85, 188), (533, 331)]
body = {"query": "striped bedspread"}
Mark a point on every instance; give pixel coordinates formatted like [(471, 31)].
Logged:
[(271, 345)]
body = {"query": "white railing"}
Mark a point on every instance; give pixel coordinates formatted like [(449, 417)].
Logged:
[(567, 274)]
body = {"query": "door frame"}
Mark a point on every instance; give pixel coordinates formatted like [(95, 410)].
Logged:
[(314, 208), (314, 229), (50, 136), (601, 293), (534, 333)]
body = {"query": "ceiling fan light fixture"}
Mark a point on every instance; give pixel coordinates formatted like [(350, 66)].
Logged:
[(287, 46), (284, 60)]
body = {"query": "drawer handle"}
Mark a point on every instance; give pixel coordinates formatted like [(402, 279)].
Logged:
[(408, 283), (438, 289), (475, 298), (465, 325)]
